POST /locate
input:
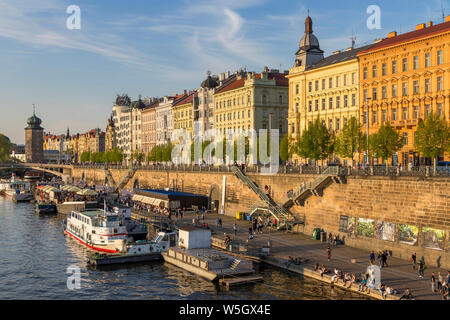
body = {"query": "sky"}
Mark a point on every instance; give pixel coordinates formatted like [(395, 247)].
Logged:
[(155, 48)]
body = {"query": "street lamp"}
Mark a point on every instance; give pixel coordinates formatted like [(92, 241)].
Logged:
[(367, 123)]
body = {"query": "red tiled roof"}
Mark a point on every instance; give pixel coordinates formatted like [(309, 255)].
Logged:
[(280, 80), (409, 36), (187, 99)]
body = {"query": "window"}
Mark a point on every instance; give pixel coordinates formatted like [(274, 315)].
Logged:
[(440, 57), (292, 127), (427, 110), (427, 60), (394, 67), (405, 65), (394, 90), (330, 83), (353, 99), (264, 99), (416, 62), (309, 106), (374, 93), (323, 84), (384, 114), (330, 124), (394, 114), (405, 138), (354, 78), (440, 110), (296, 90), (338, 82), (280, 99), (405, 88), (416, 86), (338, 102), (374, 71), (374, 117), (345, 80), (317, 85), (324, 104), (427, 85), (383, 92), (345, 101), (330, 103), (405, 113), (310, 86), (365, 73), (384, 69), (338, 124), (366, 92), (439, 84), (316, 106), (416, 112), (365, 117)]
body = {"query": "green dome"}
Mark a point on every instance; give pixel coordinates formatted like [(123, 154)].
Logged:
[(34, 122)]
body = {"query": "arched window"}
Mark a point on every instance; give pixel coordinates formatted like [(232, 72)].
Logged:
[(264, 99)]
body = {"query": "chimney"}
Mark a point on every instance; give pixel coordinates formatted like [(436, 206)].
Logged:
[(447, 19), (430, 23), (420, 26), (392, 34), (266, 69)]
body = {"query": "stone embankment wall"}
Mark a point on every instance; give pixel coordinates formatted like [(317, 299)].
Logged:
[(397, 203)]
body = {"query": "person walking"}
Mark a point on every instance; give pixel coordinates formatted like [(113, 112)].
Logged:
[(414, 261), (379, 260), (433, 282), (440, 280), (235, 228), (384, 256), (329, 253), (421, 273), (372, 257)]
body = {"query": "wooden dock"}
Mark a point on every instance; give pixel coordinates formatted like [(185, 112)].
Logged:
[(236, 281)]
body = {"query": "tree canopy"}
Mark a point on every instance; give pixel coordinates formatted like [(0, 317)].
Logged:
[(386, 142), (350, 140), (433, 137), (316, 142), (5, 148)]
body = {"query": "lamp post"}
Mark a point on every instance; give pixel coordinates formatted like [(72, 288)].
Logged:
[(367, 123)]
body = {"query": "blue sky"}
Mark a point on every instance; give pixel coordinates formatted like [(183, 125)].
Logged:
[(155, 48)]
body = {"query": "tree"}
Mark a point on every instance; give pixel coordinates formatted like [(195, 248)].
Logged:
[(433, 137), (316, 142), (350, 140), (85, 156), (386, 142), (5, 148)]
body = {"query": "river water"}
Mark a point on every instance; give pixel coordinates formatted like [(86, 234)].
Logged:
[(35, 255)]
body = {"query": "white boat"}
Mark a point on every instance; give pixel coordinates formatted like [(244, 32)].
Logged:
[(104, 231), (15, 189)]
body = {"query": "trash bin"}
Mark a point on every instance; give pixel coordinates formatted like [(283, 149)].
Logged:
[(323, 236), (239, 215)]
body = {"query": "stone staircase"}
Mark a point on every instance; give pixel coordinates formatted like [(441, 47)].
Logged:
[(284, 218), (235, 264), (314, 187), (126, 179), (110, 179)]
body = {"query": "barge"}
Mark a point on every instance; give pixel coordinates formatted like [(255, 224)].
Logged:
[(194, 254)]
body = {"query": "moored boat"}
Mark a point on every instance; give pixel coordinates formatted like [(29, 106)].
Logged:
[(46, 208), (16, 190)]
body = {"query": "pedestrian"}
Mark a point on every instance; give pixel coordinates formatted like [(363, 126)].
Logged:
[(384, 258), (235, 228), (433, 282), (440, 280), (372, 257), (413, 260), (445, 292), (250, 233), (421, 273), (407, 295), (217, 222), (329, 253), (220, 223), (379, 258)]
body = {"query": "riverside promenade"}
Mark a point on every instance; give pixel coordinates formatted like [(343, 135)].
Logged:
[(398, 275)]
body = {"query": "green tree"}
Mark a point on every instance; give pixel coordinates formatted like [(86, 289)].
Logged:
[(85, 156), (386, 142), (5, 148), (433, 137), (316, 142), (350, 140)]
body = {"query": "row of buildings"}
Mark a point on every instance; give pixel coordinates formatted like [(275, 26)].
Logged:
[(399, 79)]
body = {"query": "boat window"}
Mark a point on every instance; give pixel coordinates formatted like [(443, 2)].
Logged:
[(166, 238), (111, 218)]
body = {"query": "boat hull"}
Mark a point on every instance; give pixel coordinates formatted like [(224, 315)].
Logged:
[(112, 260), (93, 247)]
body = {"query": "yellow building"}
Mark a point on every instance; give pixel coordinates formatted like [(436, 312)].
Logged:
[(183, 113), (324, 88), (251, 101), (404, 78)]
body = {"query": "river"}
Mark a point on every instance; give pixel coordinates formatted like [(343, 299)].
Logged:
[(35, 255)]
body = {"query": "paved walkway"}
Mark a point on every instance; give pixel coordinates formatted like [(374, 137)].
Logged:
[(398, 275)]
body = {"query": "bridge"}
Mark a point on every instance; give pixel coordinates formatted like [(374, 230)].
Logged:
[(54, 169)]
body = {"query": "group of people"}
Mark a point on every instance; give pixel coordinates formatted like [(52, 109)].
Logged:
[(257, 227), (441, 284), (382, 257)]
